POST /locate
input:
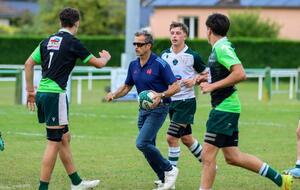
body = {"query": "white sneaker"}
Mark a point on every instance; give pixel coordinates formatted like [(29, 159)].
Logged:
[(170, 178), (85, 185), (159, 185)]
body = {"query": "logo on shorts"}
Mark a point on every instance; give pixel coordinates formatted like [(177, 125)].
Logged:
[(53, 119)]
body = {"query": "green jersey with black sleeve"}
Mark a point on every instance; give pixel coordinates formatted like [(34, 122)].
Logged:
[(220, 60), (57, 56)]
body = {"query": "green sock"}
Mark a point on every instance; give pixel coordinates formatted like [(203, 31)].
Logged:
[(270, 173), (76, 180), (43, 185)]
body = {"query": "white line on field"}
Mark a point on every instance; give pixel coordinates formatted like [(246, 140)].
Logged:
[(39, 134), (262, 123), (103, 115), (19, 186)]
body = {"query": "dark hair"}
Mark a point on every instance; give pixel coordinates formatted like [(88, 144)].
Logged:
[(68, 16), (218, 23), (148, 36), (183, 27)]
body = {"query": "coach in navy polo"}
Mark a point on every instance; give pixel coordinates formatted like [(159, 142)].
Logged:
[(150, 72), (152, 76)]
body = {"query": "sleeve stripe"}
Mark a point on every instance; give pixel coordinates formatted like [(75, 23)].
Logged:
[(88, 58)]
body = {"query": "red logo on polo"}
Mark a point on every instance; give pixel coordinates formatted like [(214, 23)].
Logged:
[(149, 71)]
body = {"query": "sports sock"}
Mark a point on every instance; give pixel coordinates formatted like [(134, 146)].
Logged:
[(76, 180), (174, 153), (43, 185), (298, 164), (196, 149), (270, 173)]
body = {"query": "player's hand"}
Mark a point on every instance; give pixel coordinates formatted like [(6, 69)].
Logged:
[(202, 77), (206, 87), (105, 55), (109, 97), (30, 100), (156, 100), (188, 82)]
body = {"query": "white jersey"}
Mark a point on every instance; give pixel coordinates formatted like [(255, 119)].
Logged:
[(185, 65)]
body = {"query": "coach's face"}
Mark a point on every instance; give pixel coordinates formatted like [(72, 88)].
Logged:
[(178, 37), (141, 46)]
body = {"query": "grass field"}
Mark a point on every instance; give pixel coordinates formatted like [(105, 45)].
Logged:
[(103, 142)]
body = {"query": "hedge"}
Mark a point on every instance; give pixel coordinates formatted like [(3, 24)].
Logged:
[(254, 53)]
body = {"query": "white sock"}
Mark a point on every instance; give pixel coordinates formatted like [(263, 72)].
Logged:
[(174, 153)]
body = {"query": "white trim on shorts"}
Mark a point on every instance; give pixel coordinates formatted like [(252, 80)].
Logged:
[(62, 109)]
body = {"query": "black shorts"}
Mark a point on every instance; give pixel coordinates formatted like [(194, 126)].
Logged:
[(181, 132), (221, 140)]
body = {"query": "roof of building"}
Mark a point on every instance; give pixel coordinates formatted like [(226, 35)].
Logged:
[(15, 8), (240, 3), (23, 6)]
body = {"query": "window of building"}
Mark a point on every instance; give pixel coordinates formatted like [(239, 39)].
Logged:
[(192, 23)]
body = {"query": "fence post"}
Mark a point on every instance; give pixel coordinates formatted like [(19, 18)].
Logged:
[(298, 84), (18, 94), (267, 85)]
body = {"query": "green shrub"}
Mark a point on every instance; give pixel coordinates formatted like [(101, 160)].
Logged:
[(254, 53), (249, 24)]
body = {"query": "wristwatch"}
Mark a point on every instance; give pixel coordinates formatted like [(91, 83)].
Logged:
[(163, 95)]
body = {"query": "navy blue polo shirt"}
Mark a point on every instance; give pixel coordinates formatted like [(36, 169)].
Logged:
[(155, 75)]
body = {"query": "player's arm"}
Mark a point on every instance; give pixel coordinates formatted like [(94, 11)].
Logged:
[(122, 91), (101, 61), (29, 65), (34, 58), (237, 74)]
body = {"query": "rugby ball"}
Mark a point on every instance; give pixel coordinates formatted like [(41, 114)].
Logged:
[(146, 99)]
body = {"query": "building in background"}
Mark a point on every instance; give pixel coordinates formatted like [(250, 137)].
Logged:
[(11, 9), (195, 12)]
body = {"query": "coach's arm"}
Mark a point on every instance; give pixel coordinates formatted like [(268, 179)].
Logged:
[(122, 91)]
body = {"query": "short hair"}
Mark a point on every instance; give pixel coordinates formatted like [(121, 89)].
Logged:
[(183, 27), (148, 36), (69, 16), (218, 23)]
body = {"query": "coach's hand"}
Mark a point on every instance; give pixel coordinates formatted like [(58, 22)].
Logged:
[(156, 99), (31, 100)]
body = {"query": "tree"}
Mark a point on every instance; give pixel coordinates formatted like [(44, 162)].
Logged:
[(98, 17), (249, 24)]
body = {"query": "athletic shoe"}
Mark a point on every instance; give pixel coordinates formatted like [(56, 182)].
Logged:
[(287, 181), (295, 172), (1, 143), (85, 185), (159, 185), (170, 178)]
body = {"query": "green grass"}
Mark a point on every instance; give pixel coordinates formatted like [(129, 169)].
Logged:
[(103, 142)]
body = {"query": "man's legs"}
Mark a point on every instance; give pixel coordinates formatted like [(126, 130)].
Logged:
[(234, 156), (67, 160), (295, 172), (173, 135), (209, 153), (193, 145), (50, 155), (298, 145)]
